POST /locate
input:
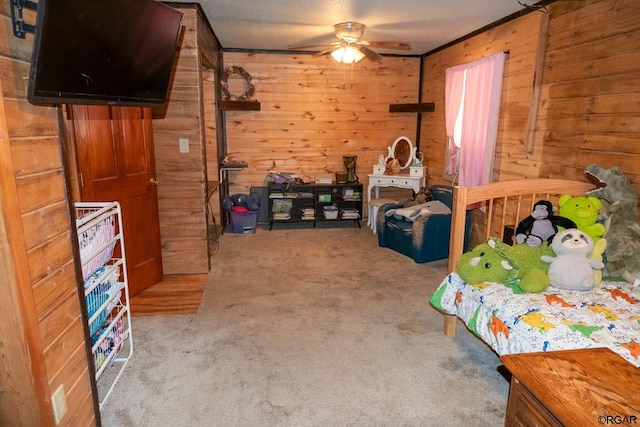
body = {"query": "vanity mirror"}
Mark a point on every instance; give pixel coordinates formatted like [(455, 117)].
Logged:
[(401, 155), (403, 151)]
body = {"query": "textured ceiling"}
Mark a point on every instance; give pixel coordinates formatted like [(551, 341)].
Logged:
[(277, 24)]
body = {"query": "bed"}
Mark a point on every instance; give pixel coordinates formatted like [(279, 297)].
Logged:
[(607, 316)]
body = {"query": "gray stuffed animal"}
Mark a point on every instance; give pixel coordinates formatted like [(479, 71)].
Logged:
[(622, 225), (571, 268)]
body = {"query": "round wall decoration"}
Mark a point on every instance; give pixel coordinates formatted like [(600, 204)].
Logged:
[(249, 87)]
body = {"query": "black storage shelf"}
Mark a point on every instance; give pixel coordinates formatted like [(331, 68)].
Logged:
[(306, 202)]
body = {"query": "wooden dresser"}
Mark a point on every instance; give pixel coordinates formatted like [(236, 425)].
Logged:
[(590, 387)]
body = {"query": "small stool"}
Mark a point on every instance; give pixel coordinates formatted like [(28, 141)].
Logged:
[(374, 205)]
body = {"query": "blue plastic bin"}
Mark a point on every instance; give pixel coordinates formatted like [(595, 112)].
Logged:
[(244, 222)]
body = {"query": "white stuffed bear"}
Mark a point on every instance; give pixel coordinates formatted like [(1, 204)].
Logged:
[(572, 268)]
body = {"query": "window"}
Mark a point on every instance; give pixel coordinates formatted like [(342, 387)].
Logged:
[(472, 107)]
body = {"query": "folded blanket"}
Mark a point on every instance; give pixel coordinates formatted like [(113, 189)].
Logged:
[(433, 207)]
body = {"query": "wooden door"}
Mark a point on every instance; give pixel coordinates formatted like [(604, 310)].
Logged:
[(114, 148)]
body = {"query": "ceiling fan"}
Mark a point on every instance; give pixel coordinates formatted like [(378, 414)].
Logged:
[(351, 48)]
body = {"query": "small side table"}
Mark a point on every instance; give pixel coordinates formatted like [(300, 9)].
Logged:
[(572, 388)]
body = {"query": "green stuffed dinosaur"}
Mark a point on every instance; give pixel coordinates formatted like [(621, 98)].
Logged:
[(622, 225), (519, 267)]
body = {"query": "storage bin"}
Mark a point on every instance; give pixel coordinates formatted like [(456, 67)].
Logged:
[(330, 212), (244, 222)]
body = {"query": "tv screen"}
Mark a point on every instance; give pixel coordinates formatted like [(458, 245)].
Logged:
[(104, 52)]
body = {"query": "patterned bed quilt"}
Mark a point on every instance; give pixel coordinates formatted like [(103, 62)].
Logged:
[(607, 316)]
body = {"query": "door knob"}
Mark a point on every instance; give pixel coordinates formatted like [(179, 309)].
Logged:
[(152, 181)]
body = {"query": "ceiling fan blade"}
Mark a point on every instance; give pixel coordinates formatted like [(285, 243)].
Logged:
[(369, 53), (311, 46), (390, 45), (324, 52)]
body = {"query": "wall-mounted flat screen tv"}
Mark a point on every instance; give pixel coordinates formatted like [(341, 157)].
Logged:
[(103, 52)]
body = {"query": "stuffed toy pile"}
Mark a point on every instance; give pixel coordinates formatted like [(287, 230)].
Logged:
[(574, 257), (549, 250), (622, 225)]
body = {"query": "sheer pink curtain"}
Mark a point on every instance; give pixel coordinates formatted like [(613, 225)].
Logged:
[(454, 84), (483, 88)]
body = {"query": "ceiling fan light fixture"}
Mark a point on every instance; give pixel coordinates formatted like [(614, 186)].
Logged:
[(350, 31), (351, 48), (347, 55)]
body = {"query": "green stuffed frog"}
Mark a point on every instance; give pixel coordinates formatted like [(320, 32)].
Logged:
[(584, 212)]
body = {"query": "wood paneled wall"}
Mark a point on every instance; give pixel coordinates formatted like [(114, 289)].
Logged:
[(314, 111), (587, 111), (183, 176), (590, 109), (42, 335)]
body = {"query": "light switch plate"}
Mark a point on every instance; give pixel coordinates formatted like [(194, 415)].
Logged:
[(59, 403), (184, 145)]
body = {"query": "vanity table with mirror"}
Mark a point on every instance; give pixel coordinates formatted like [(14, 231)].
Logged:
[(411, 176)]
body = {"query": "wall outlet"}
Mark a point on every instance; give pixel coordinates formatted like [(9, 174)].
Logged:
[(59, 403), (184, 145)]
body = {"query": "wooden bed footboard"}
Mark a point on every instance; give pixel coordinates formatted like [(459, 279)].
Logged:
[(498, 205)]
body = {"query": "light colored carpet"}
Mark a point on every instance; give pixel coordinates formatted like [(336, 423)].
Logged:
[(309, 327)]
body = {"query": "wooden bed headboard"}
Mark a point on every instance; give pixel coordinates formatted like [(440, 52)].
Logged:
[(505, 203)]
